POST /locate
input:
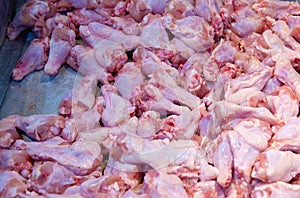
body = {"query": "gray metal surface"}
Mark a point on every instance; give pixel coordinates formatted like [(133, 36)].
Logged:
[(37, 93), (10, 51)]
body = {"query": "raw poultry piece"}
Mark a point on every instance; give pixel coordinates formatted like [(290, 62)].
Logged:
[(105, 186), (255, 80), (276, 189), (283, 31), (31, 13), (84, 121), (44, 29), (192, 74), (210, 11), (117, 109), (224, 52), (223, 159), (206, 189), (130, 174), (149, 97), (275, 49), (176, 157), (81, 157), (84, 17), (149, 124), (81, 97), (83, 60), (183, 52), (227, 111), (276, 9), (11, 184), (238, 188), (95, 34), (68, 4), (281, 100), (140, 8), (194, 31), (61, 42), (33, 59), (16, 160), (110, 55), (180, 9), (252, 127), (287, 137), (120, 8), (150, 62), (240, 148), (41, 127), (160, 184), (110, 4), (50, 177), (128, 78), (81, 107), (251, 97), (121, 136), (168, 86), (274, 165), (182, 126), (154, 36), (285, 73), (126, 24), (247, 21), (8, 132)]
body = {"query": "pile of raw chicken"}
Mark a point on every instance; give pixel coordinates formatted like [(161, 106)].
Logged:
[(172, 99)]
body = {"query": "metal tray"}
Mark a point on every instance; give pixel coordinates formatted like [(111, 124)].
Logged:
[(37, 93)]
